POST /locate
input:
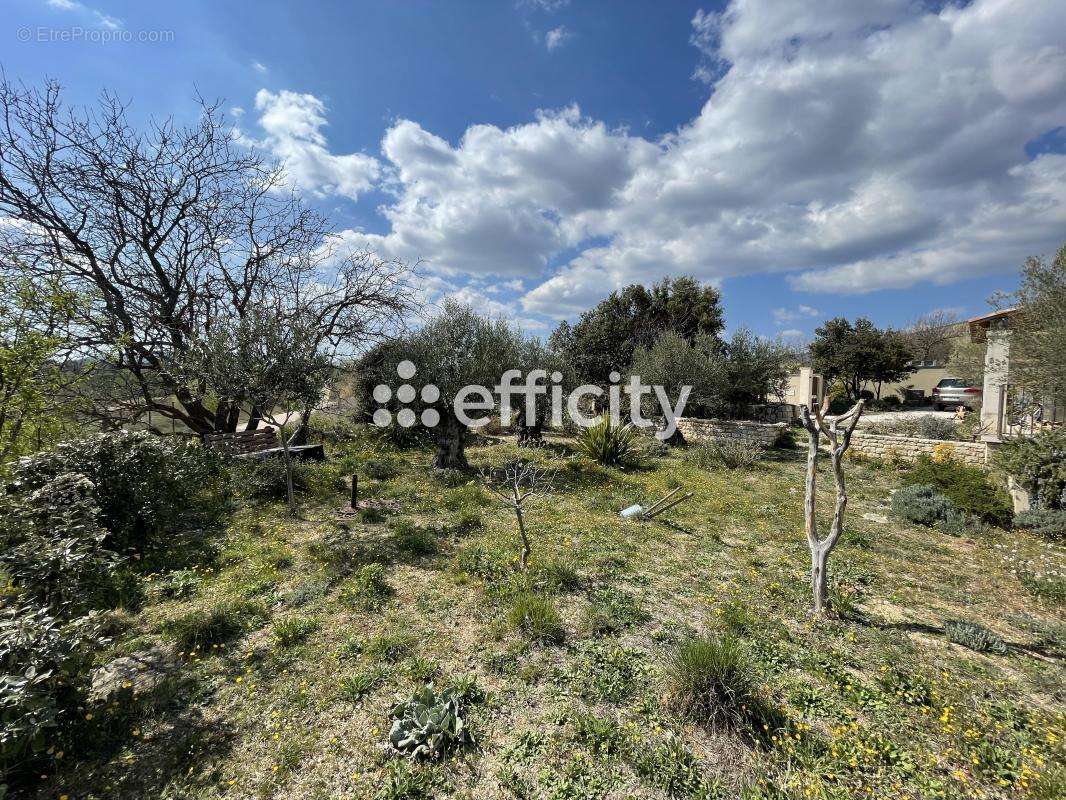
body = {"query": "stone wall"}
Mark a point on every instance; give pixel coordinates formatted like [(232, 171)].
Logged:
[(909, 448), (695, 430)]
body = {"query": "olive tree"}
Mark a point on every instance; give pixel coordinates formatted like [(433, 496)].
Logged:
[(455, 349)]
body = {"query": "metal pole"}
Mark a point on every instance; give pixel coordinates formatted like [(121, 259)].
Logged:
[(355, 490)]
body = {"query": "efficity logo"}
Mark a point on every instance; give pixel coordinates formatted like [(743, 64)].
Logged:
[(525, 389)]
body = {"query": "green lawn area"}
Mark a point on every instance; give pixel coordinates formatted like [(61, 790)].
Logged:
[(280, 659)]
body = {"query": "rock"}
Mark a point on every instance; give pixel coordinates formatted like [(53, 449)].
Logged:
[(135, 674), (880, 519)]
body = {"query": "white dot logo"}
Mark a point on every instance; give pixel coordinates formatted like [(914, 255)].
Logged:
[(406, 394)]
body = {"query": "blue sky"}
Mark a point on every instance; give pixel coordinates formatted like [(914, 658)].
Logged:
[(812, 159)]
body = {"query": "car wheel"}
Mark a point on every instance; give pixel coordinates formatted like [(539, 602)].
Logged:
[(938, 406)]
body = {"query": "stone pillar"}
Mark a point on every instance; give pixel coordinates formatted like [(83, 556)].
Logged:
[(997, 362)]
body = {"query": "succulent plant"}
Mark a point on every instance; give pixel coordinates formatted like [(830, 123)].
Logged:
[(427, 723)]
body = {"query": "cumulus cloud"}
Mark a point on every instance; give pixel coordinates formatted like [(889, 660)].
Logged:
[(556, 37), (850, 146), (292, 124)]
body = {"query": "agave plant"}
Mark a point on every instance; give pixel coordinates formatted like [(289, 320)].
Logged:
[(427, 723), (610, 445)]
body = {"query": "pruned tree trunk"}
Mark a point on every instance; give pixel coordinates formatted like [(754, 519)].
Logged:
[(290, 495), (523, 559), (839, 439), (451, 444)]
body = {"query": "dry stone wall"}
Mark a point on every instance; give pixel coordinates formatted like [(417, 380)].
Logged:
[(695, 430), (908, 448)]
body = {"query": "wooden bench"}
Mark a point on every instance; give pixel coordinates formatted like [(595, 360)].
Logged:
[(260, 443)]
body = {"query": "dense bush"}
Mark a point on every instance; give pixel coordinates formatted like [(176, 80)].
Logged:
[(1039, 465), (967, 487), (610, 445), (146, 486), (52, 547), (1049, 524), (922, 505), (44, 675)]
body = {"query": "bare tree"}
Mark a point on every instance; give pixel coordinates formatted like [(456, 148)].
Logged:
[(932, 335), (165, 230), (514, 485), (839, 439)]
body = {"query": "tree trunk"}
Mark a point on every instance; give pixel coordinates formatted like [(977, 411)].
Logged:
[(820, 579), (451, 444), (523, 561), (255, 416), (839, 440), (532, 434), (289, 493)]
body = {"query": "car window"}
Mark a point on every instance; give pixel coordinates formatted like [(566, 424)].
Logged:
[(951, 383)]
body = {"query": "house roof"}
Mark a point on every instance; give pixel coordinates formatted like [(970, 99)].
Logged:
[(979, 325)]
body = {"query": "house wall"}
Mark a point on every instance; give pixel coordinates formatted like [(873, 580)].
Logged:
[(695, 430)]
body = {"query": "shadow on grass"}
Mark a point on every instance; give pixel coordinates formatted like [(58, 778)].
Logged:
[(1038, 651)]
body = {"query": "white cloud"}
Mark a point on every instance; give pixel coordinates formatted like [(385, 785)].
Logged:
[(544, 5), (783, 316), (853, 146), (292, 124), (260, 67), (556, 37), (102, 19)]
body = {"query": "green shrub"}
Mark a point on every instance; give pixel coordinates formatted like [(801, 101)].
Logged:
[(967, 487), (607, 444), (52, 547), (466, 522), (1039, 465), (535, 616), (427, 724), (44, 675), (293, 630), (739, 453), (146, 486), (921, 427), (922, 505), (708, 679), (199, 630), (1049, 524), (976, 637)]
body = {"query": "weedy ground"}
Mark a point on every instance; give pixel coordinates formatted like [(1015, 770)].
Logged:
[(287, 650)]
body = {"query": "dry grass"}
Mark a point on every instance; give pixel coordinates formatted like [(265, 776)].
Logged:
[(276, 712)]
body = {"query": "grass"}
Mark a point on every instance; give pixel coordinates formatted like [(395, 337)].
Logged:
[(592, 673)]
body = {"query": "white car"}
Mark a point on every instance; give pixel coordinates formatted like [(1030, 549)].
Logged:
[(955, 392)]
